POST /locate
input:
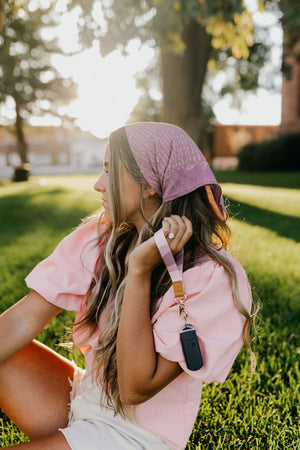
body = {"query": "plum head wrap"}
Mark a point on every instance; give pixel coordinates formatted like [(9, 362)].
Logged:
[(172, 163)]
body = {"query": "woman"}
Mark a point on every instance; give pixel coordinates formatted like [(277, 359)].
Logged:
[(137, 391)]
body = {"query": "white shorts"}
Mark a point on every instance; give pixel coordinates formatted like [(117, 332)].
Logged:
[(94, 427)]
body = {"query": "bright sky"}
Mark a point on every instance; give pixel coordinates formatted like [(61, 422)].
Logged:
[(106, 87), (107, 92)]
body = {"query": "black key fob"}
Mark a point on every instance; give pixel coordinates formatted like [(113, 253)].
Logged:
[(190, 347)]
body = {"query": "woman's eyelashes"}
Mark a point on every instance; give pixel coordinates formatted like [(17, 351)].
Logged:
[(106, 167)]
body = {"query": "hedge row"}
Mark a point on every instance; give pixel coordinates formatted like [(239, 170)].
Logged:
[(282, 153)]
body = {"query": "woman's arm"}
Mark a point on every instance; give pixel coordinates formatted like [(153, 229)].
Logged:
[(141, 371), (21, 323)]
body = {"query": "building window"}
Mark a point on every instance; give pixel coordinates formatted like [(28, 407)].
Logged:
[(14, 159), (2, 160), (62, 158), (40, 159)]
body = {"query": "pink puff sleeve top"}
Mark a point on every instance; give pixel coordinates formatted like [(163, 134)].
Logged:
[(65, 276), (64, 279)]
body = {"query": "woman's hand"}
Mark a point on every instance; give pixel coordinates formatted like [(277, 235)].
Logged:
[(146, 256)]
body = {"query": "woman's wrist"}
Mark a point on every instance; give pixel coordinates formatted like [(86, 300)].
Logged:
[(144, 258), (139, 270)]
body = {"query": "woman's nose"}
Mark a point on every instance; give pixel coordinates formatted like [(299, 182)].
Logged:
[(100, 185)]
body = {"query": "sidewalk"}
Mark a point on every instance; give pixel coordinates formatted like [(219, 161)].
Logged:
[(8, 171)]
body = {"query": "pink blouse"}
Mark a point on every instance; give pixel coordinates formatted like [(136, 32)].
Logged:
[(64, 278)]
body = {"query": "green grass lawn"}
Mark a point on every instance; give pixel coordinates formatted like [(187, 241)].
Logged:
[(258, 411)]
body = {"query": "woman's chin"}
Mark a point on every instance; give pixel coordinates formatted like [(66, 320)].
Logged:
[(107, 216)]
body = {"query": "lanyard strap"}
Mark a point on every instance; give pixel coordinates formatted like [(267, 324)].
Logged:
[(174, 267), (188, 337)]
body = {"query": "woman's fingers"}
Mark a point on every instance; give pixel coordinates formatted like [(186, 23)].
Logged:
[(178, 231), (146, 256), (188, 230), (173, 227)]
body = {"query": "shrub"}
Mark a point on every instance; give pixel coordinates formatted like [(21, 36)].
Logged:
[(282, 153)]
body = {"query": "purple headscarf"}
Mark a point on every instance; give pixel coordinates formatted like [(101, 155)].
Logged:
[(172, 163)]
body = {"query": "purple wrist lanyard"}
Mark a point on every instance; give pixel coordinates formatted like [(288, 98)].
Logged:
[(174, 268), (188, 337)]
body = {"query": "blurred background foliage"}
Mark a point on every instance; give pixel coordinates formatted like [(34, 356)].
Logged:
[(27, 75), (193, 39), (281, 153)]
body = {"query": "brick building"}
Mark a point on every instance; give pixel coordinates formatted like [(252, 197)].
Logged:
[(229, 139)]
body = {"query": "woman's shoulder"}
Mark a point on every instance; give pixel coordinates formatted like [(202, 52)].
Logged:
[(64, 277), (92, 226), (91, 232), (208, 282), (206, 265)]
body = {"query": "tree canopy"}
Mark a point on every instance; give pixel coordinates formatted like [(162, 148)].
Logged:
[(160, 23), (191, 36), (290, 20)]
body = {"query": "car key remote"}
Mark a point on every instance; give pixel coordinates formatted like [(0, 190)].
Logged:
[(191, 348)]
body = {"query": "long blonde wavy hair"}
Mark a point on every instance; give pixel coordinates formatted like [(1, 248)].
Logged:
[(107, 288)]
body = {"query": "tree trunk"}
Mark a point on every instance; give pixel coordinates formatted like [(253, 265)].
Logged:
[(21, 142), (1, 15), (183, 79)]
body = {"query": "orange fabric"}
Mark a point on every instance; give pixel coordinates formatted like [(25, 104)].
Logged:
[(222, 215)]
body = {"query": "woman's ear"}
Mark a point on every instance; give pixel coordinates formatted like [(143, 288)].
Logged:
[(151, 201), (148, 192)]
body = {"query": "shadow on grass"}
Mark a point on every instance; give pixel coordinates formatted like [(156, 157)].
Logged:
[(284, 225), (290, 180), (279, 303), (278, 299), (28, 212)]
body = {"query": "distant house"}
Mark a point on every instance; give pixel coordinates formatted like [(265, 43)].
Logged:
[(53, 150), (229, 139)]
